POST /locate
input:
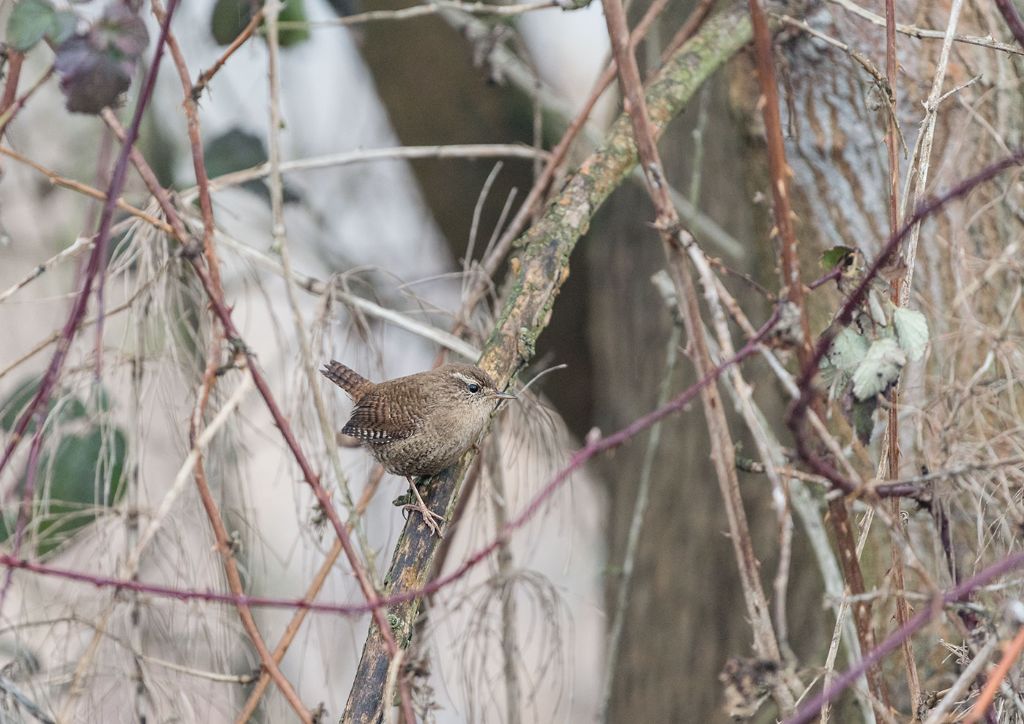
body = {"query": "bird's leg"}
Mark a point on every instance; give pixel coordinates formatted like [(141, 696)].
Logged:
[(429, 516)]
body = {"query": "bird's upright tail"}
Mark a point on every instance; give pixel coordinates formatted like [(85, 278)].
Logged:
[(347, 379)]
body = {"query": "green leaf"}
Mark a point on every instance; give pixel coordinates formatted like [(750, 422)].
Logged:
[(229, 19), (879, 369), (86, 477), (62, 27), (847, 351), (831, 258), (862, 418), (233, 151), (877, 304), (28, 23), (293, 11), (912, 331), (15, 404), (236, 150)]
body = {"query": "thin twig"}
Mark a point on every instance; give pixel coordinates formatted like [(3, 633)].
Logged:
[(674, 242), (917, 175), (927, 33), (1009, 12), (207, 75), (643, 494), (996, 678), (291, 630), (347, 158), (223, 540), (418, 11), (9, 111), (970, 673), (889, 465), (74, 249), (810, 708), (272, 9), (96, 263), (57, 180)]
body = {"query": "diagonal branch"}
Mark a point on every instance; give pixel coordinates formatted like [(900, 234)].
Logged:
[(675, 241), (537, 274), (36, 410)]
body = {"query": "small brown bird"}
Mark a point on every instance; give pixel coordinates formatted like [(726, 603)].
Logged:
[(421, 424)]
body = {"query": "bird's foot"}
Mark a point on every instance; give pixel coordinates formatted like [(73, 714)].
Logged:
[(432, 519)]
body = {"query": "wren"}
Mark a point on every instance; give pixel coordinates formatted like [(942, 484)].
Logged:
[(421, 424)]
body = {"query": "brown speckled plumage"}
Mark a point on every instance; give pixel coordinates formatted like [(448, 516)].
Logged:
[(420, 424)]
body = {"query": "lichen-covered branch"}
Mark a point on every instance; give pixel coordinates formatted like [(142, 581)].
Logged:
[(536, 274)]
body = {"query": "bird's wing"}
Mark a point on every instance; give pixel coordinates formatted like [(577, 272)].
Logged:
[(382, 415)]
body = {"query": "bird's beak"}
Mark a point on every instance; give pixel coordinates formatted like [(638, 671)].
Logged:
[(504, 395)]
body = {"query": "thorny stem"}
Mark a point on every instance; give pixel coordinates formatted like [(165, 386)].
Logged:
[(1012, 18), (207, 75), (220, 534), (675, 239), (198, 159), (892, 434), (792, 289), (797, 414), (57, 180), (592, 449), (809, 710), (96, 259), (272, 9), (8, 110), (15, 59), (234, 339)]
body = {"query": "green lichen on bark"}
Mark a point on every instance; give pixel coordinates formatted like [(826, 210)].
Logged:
[(537, 272)]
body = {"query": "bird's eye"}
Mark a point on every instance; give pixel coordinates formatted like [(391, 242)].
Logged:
[(474, 387)]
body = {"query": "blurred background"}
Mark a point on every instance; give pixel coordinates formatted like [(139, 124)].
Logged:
[(403, 235)]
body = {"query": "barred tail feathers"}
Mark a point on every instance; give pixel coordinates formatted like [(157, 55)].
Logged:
[(347, 379)]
